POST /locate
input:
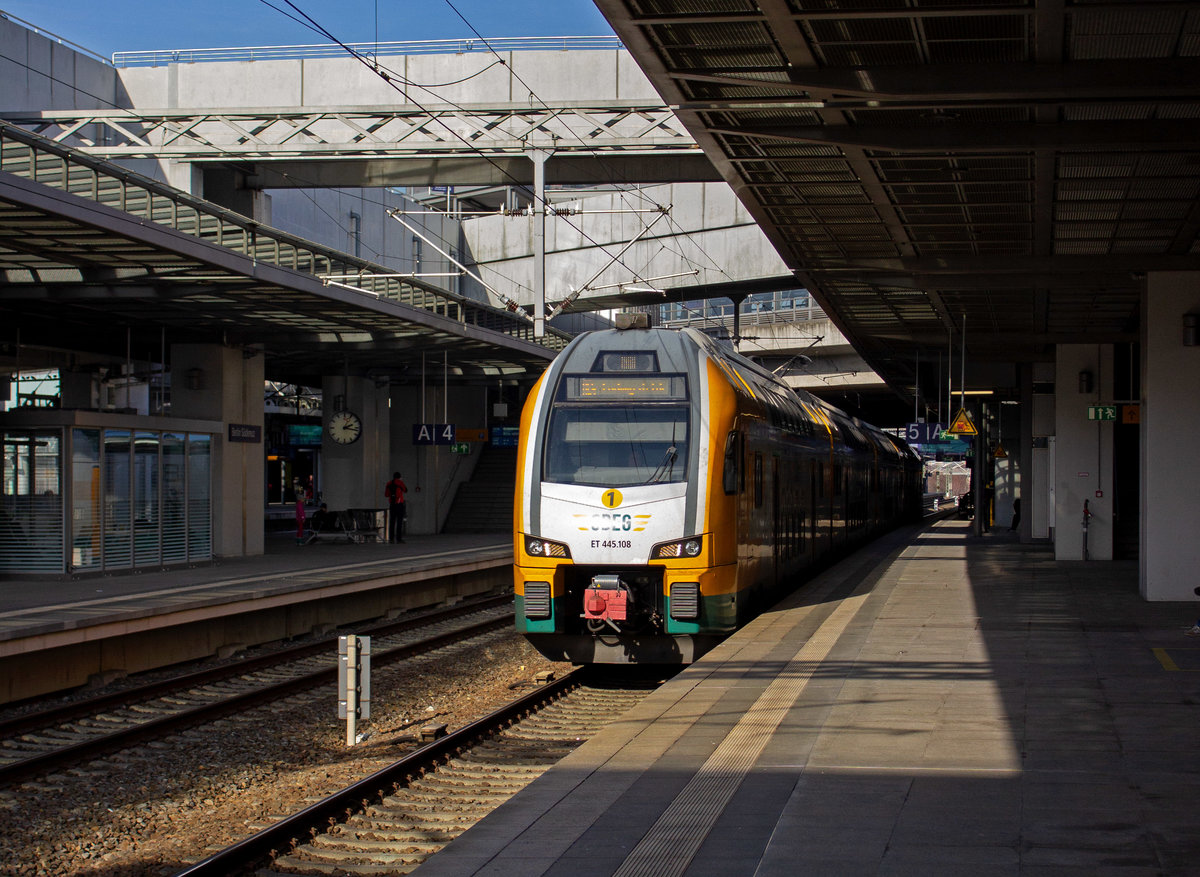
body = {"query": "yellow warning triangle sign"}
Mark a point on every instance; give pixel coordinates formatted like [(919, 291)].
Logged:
[(962, 424), (1000, 454)]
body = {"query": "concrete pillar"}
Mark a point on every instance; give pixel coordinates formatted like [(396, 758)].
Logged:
[(1039, 507), (230, 189), (212, 382), (433, 472), (353, 475), (1170, 415), (1083, 452)]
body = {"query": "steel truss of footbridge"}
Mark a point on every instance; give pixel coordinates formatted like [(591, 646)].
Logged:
[(638, 131)]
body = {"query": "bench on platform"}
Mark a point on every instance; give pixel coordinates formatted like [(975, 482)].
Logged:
[(352, 525)]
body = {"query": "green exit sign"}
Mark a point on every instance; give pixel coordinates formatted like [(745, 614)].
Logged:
[(1102, 412), (460, 448)]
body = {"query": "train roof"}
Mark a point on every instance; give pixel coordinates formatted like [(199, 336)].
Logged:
[(787, 407)]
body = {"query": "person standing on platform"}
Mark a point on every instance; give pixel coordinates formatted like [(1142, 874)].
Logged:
[(394, 491)]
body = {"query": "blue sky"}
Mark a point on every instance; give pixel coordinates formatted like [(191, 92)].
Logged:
[(126, 25)]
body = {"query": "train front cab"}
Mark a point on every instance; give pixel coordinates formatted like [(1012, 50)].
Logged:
[(688, 603)]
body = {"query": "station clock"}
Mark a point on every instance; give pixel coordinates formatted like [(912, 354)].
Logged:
[(345, 427)]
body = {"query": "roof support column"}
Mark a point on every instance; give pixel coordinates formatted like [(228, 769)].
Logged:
[(355, 469), (215, 382), (1170, 422), (1083, 457)]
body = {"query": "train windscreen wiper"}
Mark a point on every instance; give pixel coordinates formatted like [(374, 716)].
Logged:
[(665, 468)]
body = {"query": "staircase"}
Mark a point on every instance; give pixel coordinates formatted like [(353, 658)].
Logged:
[(484, 504)]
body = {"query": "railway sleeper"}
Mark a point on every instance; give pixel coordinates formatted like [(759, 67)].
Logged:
[(399, 822), (313, 855), (415, 834), (413, 842)]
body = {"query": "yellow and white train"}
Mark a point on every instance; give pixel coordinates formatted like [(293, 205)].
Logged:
[(666, 487)]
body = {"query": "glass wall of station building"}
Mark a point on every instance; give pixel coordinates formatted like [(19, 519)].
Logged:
[(83, 499)]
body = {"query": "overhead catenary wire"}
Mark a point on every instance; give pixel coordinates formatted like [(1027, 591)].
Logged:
[(387, 78)]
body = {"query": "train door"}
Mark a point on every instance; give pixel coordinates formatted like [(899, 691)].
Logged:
[(777, 525), (814, 510)]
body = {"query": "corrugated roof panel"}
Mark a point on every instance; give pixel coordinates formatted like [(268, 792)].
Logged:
[(1098, 212), (1079, 231), (1173, 211), (691, 7), (1096, 166), (847, 213), (940, 213), (727, 59), (1108, 112), (846, 194), (1089, 190), (978, 51), (1154, 189), (706, 35), (861, 55), (1113, 48), (1008, 213), (862, 30)]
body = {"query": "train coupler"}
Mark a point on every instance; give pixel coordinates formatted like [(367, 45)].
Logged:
[(606, 600)]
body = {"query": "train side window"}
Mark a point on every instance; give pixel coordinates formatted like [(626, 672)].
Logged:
[(758, 481), (731, 476)]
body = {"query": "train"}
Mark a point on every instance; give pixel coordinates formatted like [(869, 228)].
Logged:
[(668, 488)]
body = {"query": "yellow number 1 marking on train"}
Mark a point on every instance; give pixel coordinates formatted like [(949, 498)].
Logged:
[(611, 498)]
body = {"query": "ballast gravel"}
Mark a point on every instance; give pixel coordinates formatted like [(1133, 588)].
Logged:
[(155, 809)]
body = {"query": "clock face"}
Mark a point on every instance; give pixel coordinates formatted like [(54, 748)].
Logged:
[(345, 427)]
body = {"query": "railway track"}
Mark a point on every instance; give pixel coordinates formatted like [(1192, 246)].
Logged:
[(47, 740), (397, 818)]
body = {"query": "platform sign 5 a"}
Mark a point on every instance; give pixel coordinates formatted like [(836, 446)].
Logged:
[(962, 424), (433, 433), (923, 433)]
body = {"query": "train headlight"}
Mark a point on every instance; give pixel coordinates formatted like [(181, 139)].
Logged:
[(683, 548), (536, 547)]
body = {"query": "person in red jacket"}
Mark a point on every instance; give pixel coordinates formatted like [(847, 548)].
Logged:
[(394, 490)]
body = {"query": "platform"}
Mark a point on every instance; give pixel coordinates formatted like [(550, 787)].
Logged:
[(70, 629), (938, 703)]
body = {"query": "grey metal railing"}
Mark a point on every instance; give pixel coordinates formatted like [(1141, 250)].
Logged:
[(157, 57)]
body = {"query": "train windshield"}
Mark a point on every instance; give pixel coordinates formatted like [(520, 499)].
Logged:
[(613, 445)]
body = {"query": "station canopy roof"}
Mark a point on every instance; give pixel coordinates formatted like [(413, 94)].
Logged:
[(1017, 164), (106, 264)]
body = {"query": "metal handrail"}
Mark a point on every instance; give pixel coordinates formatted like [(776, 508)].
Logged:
[(157, 57)]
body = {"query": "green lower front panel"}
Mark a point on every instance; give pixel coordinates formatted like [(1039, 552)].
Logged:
[(533, 625), (718, 615)]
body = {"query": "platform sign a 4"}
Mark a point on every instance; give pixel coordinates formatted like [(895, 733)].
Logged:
[(433, 433)]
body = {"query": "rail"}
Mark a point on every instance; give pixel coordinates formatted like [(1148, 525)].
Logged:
[(294, 829), (157, 57)]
